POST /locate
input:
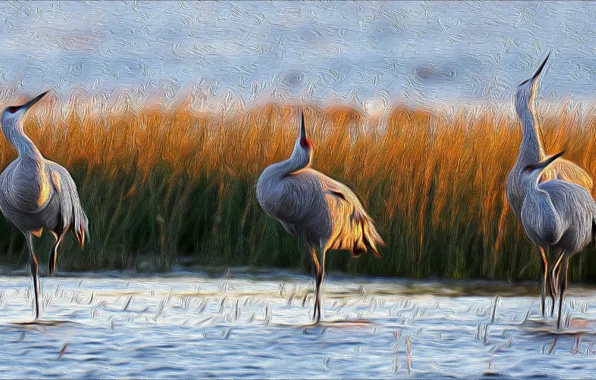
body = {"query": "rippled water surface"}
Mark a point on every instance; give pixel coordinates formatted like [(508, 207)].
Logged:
[(258, 325)]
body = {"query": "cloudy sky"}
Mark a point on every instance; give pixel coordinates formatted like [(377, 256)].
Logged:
[(327, 50)]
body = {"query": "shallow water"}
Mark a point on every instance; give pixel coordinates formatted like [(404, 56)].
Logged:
[(258, 325), (366, 50)]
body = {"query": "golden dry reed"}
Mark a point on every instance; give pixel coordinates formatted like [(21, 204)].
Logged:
[(167, 186)]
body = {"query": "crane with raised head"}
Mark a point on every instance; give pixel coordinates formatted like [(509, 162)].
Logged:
[(559, 215), (532, 151), (323, 212), (37, 194)]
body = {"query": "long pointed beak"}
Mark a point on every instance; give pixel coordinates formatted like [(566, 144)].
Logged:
[(302, 127), (31, 102), (539, 70), (544, 163)]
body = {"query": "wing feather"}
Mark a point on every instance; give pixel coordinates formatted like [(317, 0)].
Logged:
[(72, 214)]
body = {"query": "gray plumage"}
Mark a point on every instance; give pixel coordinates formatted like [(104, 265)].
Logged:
[(38, 194), (557, 214), (530, 152), (310, 205)]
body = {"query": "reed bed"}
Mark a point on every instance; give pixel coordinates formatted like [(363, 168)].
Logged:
[(162, 186)]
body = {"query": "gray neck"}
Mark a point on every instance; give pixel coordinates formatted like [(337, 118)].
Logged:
[(15, 133), (530, 149), (299, 159), (533, 181)]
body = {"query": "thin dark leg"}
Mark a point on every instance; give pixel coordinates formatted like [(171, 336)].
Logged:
[(543, 283), (563, 285), (318, 298), (316, 268), (558, 275), (555, 271), (320, 279), (54, 254), (33, 265)]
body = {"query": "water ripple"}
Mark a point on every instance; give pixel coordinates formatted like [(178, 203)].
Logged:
[(147, 326)]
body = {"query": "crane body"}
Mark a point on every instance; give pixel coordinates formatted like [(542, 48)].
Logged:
[(323, 212), (37, 194), (530, 152), (559, 215)]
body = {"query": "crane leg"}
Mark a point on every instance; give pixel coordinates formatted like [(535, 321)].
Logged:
[(554, 279), (320, 279), (33, 266), (543, 281), (563, 286), (316, 268), (558, 276), (319, 268), (54, 254)]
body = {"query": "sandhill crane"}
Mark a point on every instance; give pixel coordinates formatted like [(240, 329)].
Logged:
[(557, 214), (38, 194), (311, 206), (531, 151)]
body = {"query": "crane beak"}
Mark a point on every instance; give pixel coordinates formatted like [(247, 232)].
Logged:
[(31, 102), (543, 164), (302, 126), (537, 72)]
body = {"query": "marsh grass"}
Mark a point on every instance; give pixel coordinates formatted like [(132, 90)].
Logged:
[(160, 185)]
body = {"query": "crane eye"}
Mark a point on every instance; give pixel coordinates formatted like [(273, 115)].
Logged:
[(12, 109), (305, 143)]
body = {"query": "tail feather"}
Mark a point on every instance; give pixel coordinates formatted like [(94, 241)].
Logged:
[(372, 238), (353, 229), (81, 226), (72, 213), (366, 236), (78, 219)]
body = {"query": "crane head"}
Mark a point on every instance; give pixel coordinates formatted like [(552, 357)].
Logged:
[(303, 152), (537, 72), (304, 141), (540, 166), (26, 106), (13, 112), (526, 90)]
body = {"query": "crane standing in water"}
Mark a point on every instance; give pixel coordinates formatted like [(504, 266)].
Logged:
[(530, 152), (38, 194), (557, 214), (312, 206)]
